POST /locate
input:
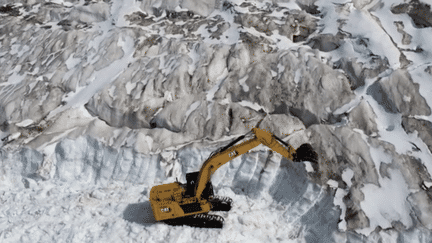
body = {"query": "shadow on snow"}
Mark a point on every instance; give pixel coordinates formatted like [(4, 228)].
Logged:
[(140, 213)]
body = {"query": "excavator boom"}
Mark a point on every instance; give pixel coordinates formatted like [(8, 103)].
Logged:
[(177, 203), (214, 162)]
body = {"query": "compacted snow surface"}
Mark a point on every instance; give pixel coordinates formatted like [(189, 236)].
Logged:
[(102, 100)]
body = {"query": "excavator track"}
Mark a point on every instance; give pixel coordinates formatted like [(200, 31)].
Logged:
[(198, 220), (221, 203)]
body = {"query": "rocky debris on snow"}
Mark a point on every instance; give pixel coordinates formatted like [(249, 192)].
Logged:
[(419, 12), (363, 117), (406, 38), (422, 207), (398, 93), (422, 127), (326, 42), (308, 6), (10, 10), (357, 71)]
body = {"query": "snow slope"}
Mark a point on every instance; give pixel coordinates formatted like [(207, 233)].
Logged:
[(101, 100)]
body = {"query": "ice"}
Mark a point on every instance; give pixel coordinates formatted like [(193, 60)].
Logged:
[(99, 102)]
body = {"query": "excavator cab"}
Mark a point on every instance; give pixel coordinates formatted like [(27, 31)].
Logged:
[(192, 179)]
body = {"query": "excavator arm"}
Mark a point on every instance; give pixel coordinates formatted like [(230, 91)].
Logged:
[(230, 152)]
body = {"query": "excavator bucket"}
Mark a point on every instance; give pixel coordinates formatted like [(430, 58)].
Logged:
[(305, 153)]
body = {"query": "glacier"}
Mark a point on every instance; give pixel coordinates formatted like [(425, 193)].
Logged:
[(101, 100)]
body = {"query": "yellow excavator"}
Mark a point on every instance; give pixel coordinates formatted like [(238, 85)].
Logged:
[(189, 204)]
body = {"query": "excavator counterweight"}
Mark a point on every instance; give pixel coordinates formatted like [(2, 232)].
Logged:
[(190, 203)]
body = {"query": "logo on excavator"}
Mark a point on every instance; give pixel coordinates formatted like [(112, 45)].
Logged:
[(232, 154)]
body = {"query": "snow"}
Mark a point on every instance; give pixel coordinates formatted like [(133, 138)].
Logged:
[(420, 77), (215, 88), (251, 105), (25, 123), (297, 76), (70, 173), (100, 79), (290, 5), (419, 36), (386, 203), (19, 49), (71, 62), (111, 92), (192, 108), (329, 22), (87, 206), (129, 87), (338, 201), (194, 55), (15, 78), (332, 183), (308, 167), (242, 82), (347, 176), (381, 43), (428, 184), (121, 8)]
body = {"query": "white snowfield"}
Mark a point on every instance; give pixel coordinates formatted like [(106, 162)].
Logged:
[(102, 100)]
